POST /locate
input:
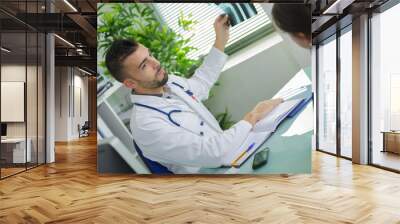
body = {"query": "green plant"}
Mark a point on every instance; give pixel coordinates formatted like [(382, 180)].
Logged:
[(225, 120), (186, 24), (138, 21)]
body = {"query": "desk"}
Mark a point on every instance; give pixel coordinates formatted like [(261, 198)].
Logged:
[(391, 141), (17, 152), (288, 154)]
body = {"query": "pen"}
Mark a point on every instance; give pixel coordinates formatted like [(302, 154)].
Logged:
[(243, 153)]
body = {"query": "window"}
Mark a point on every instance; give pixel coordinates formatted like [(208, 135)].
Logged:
[(203, 33), (327, 96), (334, 101), (22, 74), (394, 102), (385, 89), (346, 93)]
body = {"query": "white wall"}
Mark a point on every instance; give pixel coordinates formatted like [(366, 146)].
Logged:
[(33, 126), (68, 83), (81, 84), (257, 77), (14, 72), (61, 103), (17, 72)]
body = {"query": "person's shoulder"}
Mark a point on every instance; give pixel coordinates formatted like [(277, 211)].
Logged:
[(177, 80)]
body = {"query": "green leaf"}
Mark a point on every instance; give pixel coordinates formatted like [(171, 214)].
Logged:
[(137, 21)]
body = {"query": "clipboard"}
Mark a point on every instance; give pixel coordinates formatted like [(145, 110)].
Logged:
[(237, 157)]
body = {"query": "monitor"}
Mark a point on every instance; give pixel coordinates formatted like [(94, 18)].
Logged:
[(3, 129)]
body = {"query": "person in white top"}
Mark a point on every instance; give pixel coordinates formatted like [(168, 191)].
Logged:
[(169, 123)]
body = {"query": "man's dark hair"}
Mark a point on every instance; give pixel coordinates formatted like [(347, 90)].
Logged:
[(293, 18), (116, 54)]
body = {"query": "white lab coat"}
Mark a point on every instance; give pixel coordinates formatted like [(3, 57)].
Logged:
[(199, 141)]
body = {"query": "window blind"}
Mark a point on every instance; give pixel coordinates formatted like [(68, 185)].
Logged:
[(203, 32)]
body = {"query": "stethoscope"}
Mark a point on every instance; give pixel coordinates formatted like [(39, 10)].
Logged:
[(169, 114)]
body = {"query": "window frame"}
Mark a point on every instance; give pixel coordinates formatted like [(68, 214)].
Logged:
[(381, 9), (255, 35), (334, 37), (27, 29)]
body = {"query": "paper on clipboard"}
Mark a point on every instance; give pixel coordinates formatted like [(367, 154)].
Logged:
[(276, 116)]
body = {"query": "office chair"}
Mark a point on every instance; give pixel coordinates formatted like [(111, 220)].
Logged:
[(153, 166), (84, 130)]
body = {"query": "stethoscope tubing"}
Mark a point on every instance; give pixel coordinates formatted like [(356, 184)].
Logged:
[(161, 111), (169, 114)]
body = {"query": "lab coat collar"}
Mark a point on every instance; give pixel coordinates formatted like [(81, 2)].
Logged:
[(151, 100), (154, 100), (161, 103)]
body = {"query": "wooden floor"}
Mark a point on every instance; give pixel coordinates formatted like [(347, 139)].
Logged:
[(70, 191), (388, 159), (10, 171)]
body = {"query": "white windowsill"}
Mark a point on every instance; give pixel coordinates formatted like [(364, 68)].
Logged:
[(252, 50)]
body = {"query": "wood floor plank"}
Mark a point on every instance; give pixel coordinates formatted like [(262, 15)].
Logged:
[(71, 191)]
